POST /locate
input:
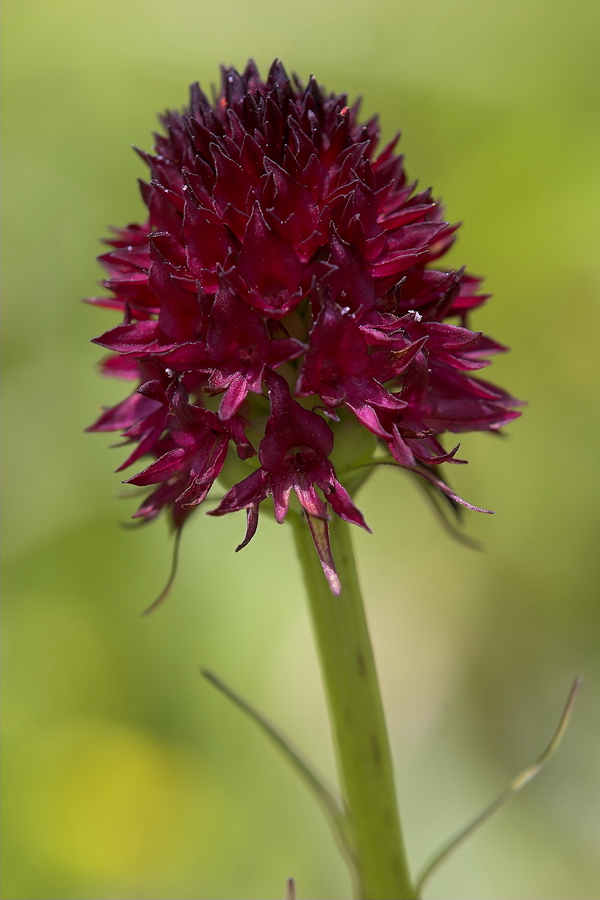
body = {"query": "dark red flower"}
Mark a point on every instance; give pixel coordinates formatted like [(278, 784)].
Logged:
[(284, 257)]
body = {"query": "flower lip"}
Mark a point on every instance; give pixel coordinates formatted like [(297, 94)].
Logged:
[(291, 428)]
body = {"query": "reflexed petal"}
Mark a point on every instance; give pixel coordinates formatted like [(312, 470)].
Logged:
[(249, 492), (160, 470)]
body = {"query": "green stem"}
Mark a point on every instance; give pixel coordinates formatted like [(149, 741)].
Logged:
[(357, 718)]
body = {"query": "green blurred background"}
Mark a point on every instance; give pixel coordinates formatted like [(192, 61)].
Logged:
[(126, 775)]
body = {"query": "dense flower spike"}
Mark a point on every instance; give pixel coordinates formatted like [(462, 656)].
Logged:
[(284, 257)]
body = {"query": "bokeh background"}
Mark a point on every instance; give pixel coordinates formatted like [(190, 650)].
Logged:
[(126, 775)]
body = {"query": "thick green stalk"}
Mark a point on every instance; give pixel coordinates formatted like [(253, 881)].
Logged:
[(357, 719)]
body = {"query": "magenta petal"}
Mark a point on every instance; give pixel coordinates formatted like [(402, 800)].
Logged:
[(400, 450), (233, 182), (364, 390), (413, 237), (120, 367), (429, 476), (124, 414), (267, 261), (206, 239), (289, 426), (146, 445), (194, 494), (281, 488), (186, 356), (244, 448), (341, 502), (310, 501), (236, 332), (284, 350), (249, 492), (396, 263), (142, 337), (180, 316), (368, 417), (444, 457), (336, 346), (233, 397), (351, 284), (151, 506), (160, 470)]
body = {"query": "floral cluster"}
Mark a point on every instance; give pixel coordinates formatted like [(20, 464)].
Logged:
[(283, 286)]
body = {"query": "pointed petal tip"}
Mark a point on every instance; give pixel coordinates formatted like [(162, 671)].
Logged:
[(320, 534), (333, 580), (251, 526)]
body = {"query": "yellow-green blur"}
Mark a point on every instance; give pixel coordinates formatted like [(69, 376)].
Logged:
[(126, 774)]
